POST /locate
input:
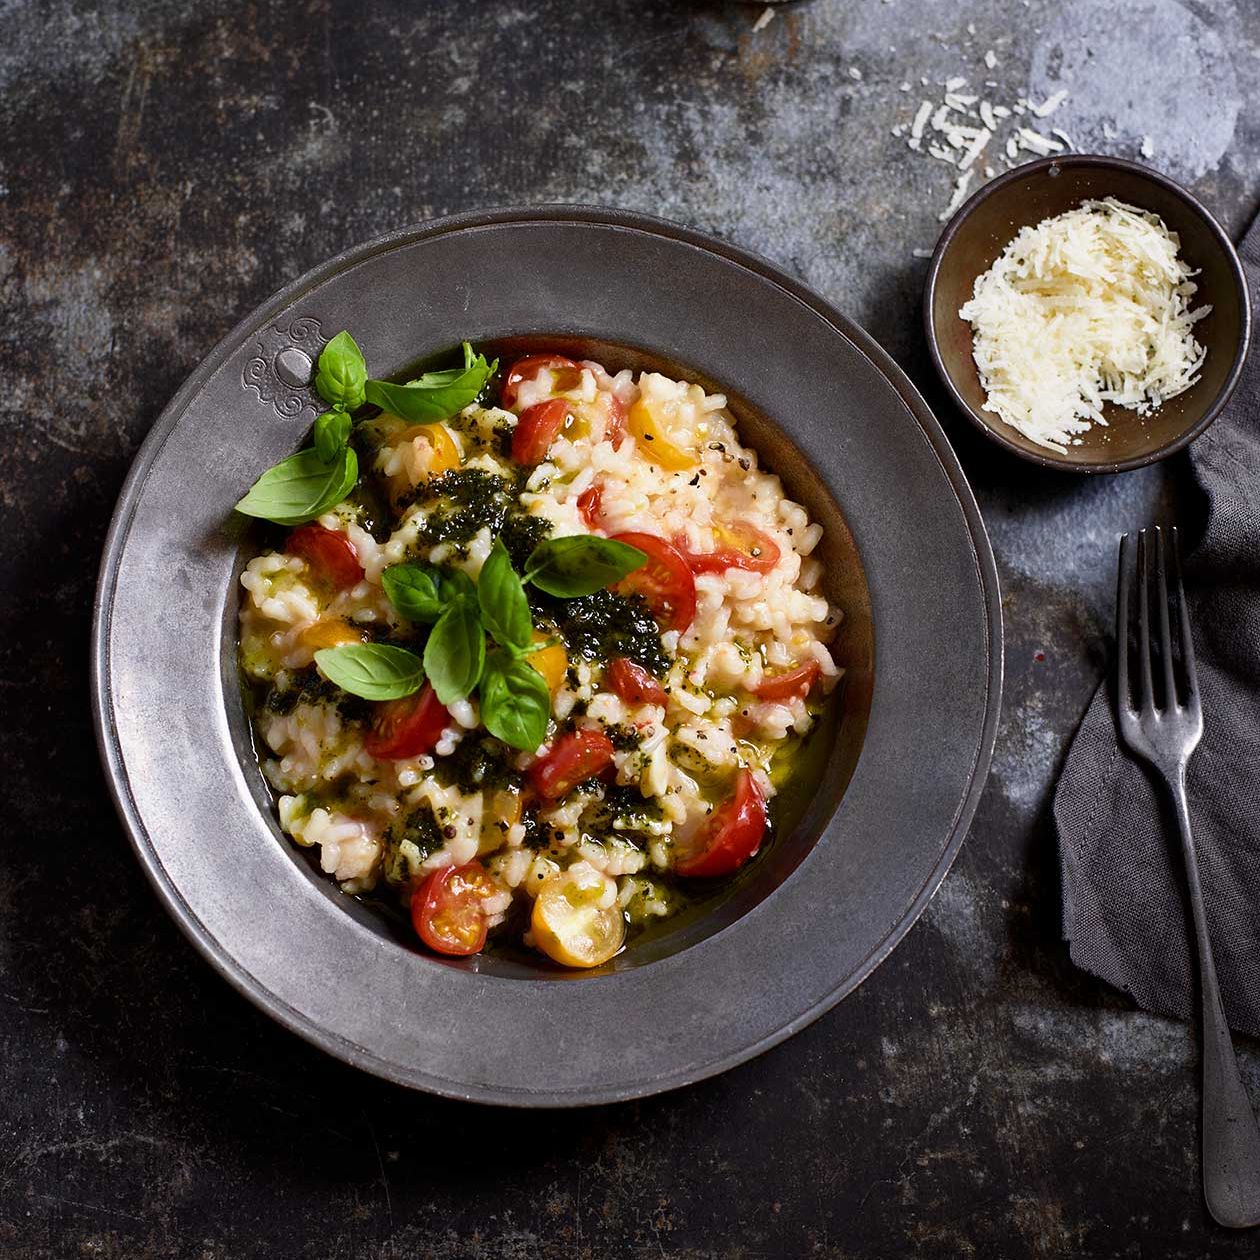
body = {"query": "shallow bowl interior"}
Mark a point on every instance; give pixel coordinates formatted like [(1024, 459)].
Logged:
[(827, 762), (985, 225)]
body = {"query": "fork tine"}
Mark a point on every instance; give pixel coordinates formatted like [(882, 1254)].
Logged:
[(1124, 586), (1144, 621), (1165, 631), (1187, 640)]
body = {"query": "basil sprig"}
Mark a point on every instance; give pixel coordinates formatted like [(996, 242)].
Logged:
[(375, 671), (515, 701), (580, 564), (435, 395), (307, 484), (301, 487)]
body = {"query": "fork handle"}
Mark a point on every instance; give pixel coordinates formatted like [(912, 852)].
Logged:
[(1231, 1136)]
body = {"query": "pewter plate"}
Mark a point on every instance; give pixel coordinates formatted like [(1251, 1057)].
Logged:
[(906, 556)]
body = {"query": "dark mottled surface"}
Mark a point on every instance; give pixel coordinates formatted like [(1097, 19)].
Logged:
[(163, 167)]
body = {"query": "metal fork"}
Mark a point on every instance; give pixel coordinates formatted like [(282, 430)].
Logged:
[(1165, 735)]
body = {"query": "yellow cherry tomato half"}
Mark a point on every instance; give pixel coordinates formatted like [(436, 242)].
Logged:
[(427, 451), (551, 662), (577, 921), (653, 445), (502, 812), (332, 632), (441, 449)]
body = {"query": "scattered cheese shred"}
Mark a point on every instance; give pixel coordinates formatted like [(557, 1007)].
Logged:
[(1087, 308), (920, 120), (959, 193), (983, 136), (1048, 106)]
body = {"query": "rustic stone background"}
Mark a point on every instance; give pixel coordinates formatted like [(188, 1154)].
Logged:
[(163, 168)]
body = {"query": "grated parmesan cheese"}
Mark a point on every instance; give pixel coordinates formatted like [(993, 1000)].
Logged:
[(1087, 308)]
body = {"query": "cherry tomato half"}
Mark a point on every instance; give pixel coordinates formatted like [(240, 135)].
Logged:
[(330, 554), (740, 546), (664, 582), (527, 368), (654, 446), (616, 427), (576, 920), (537, 428), (787, 686), (589, 505), (447, 909), (573, 759), (730, 835), (633, 683), (408, 727)]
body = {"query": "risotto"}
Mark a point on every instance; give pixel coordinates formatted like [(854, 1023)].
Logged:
[(536, 651)]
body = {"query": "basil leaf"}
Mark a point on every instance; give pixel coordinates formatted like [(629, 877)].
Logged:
[(515, 702), (342, 372), (456, 651), (332, 432), (413, 591), (504, 608), (435, 395), (301, 487), (580, 564), (375, 671)]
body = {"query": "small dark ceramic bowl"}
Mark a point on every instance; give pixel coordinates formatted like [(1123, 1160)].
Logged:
[(984, 226), (816, 913)]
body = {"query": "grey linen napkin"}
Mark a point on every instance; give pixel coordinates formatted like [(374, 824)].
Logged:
[(1124, 911)]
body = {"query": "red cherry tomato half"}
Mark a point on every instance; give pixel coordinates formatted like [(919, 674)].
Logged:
[(740, 546), (573, 759), (730, 835), (330, 554), (664, 582), (789, 685), (537, 428), (589, 505), (408, 727), (617, 413), (527, 368), (448, 908), (633, 683)]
